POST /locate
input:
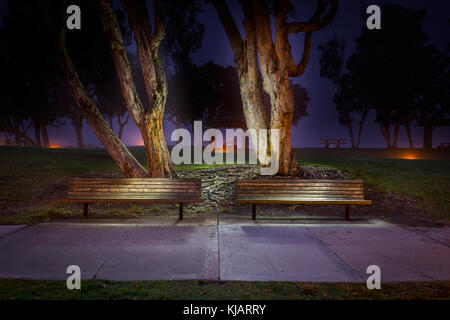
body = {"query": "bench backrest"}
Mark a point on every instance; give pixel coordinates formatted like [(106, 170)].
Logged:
[(300, 189), (135, 188)]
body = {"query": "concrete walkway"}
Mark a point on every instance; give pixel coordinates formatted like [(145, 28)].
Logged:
[(317, 250)]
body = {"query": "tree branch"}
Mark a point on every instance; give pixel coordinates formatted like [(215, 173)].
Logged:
[(231, 29), (159, 33), (121, 62), (316, 22)]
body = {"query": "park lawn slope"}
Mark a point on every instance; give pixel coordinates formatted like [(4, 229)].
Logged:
[(425, 180)]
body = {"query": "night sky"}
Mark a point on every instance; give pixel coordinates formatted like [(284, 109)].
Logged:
[(322, 120)]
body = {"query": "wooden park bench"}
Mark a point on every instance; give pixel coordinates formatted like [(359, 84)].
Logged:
[(139, 190), (301, 191)]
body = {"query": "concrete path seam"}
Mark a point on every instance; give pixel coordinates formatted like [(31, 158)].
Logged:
[(336, 255), (218, 247), (428, 236), (15, 231)]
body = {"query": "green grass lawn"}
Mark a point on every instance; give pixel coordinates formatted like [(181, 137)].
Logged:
[(205, 290), (426, 180)]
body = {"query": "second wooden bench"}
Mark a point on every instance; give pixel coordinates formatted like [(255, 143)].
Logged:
[(301, 191)]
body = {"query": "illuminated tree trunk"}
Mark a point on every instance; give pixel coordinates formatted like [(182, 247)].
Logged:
[(246, 62), (149, 122), (277, 65)]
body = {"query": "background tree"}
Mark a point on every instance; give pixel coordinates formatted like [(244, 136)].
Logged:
[(350, 97), (29, 78), (184, 35), (392, 64)]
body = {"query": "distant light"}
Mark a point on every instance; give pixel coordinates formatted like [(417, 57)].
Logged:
[(409, 156), (54, 146)]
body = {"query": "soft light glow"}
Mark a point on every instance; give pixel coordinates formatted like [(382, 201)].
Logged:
[(409, 156), (54, 146)]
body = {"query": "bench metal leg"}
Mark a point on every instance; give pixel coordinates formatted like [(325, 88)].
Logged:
[(254, 211), (181, 211), (347, 212), (85, 210)]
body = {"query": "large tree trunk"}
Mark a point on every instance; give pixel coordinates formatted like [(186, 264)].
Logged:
[(282, 102), (277, 65), (246, 62), (408, 132), (116, 149), (149, 122)]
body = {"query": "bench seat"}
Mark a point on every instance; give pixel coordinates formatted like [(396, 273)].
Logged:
[(140, 190), (301, 191)]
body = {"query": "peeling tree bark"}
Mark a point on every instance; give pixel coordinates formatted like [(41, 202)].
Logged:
[(246, 62), (277, 65), (149, 122)]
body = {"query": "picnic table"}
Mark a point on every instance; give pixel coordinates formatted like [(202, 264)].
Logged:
[(335, 141), (444, 146)]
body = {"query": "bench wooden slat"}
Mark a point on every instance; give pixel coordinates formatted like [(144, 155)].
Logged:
[(294, 189), (131, 195), (296, 181), (302, 201), (301, 194), (301, 191), (133, 189), (140, 200), (135, 181), (145, 190)]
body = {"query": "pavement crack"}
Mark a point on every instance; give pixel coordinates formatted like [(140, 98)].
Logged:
[(15, 231), (336, 255)]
